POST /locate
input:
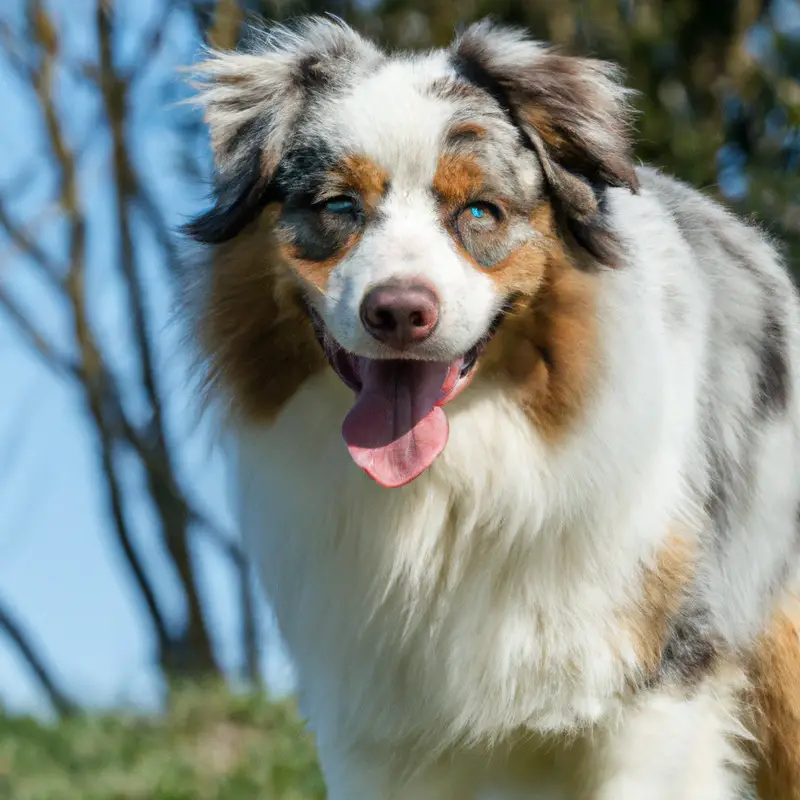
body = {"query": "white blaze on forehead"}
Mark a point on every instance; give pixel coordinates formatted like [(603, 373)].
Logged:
[(392, 118)]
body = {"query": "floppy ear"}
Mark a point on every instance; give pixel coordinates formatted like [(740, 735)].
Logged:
[(253, 102), (573, 111)]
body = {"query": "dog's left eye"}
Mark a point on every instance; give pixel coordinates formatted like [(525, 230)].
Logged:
[(340, 205), (479, 215)]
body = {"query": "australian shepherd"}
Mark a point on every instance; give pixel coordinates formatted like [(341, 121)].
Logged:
[(516, 425)]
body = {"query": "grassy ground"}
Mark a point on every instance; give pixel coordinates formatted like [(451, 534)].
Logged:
[(210, 746)]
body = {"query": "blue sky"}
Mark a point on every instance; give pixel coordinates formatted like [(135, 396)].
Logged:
[(59, 568)]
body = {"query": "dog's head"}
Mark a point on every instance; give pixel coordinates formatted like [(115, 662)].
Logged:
[(394, 217)]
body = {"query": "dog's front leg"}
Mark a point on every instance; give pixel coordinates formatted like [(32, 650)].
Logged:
[(674, 743)]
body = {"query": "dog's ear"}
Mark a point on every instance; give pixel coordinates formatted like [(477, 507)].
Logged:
[(253, 102), (573, 111)]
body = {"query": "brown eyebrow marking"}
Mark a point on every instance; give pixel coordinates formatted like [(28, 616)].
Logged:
[(465, 132), (362, 175), (458, 179)]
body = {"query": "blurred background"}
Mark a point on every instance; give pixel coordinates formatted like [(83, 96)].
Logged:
[(137, 659)]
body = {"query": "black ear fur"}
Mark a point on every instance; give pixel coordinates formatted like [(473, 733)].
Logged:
[(237, 202)]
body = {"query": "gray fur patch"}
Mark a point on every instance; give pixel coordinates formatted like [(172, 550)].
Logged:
[(773, 382), (692, 648)]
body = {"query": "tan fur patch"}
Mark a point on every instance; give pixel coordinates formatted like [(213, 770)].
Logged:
[(363, 176), (258, 340), (776, 694), (458, 180), (547, 345), (663, 590), (467, 130)]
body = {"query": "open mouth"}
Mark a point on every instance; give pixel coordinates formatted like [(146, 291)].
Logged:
[(397, 427)]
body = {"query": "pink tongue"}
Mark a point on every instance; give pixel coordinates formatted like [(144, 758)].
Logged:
[(395, 431)]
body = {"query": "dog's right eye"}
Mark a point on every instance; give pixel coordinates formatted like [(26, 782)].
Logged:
[(340, 205)]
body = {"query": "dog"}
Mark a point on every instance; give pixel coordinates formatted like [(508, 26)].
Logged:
[(515, 424)]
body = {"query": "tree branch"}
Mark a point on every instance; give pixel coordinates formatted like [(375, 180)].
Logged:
[(61, 702), (25, 243), (151, 42), (36, 339), (152, 213), (163, 487), (97, 380), (115, 499), (249, 631), (224, 31)]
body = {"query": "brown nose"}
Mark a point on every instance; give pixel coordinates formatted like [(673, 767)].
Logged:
[(400, 315)]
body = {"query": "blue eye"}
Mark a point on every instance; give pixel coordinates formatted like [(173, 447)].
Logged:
[(340, 205), (482, 211)]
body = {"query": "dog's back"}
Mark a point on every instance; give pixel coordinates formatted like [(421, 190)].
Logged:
[(751, 499)]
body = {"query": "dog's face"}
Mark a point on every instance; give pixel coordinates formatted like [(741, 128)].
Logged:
[(414, 218)]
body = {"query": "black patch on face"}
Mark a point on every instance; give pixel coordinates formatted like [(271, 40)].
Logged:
[(246, 190), (254, 176), (303, 169), (315, 233), (772, 383)]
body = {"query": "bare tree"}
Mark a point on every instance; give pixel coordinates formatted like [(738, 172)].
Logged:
[(185, 649)]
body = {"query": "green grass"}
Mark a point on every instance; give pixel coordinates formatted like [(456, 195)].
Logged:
[(209, 746)]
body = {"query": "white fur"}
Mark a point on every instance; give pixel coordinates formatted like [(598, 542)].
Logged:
[(668, 746)]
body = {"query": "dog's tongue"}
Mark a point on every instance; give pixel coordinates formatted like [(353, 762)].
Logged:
[(396, 430)]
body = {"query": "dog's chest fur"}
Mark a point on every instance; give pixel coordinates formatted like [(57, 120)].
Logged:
[(453, 607)]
